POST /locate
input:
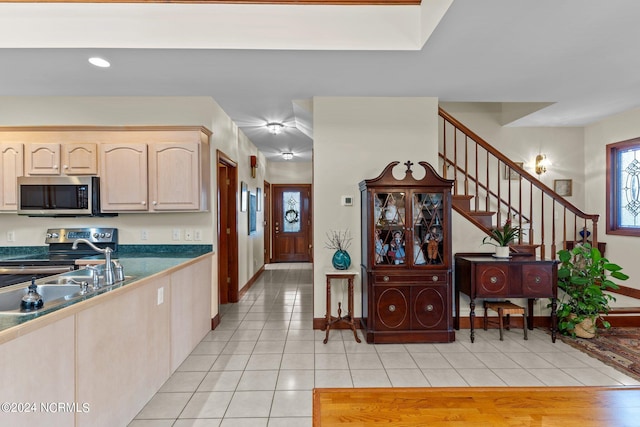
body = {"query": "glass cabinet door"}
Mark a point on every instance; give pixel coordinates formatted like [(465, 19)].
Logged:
[(427, 225), (389, 222)]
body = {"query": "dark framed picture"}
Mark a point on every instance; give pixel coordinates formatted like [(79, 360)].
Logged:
[(243, 196), (252, 213), (563, 187), (259, 199), (510, 173)]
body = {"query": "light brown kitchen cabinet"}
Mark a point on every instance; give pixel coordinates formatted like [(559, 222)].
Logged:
[(169, 175), (50, 158), (123, 183), (174, 176), (80, 159), (11, 167)]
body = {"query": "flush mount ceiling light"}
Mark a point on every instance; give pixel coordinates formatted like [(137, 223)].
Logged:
[(287, 156), (99, 62), (275, 128)]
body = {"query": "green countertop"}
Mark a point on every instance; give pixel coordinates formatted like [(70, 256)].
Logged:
[(137, 264)]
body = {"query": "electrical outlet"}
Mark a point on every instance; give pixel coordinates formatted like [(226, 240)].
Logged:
[(160, 295), (188, 234), (144, 235), (11, 236), (175, 234), (197, 235)]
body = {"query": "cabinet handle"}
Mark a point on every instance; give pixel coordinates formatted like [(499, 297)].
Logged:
[(155, 203), (428, 308), (537, 279), (385, 278), (392, 308), (493, 279), (55, 166), (434, 278), (65, 167), (143, 202)]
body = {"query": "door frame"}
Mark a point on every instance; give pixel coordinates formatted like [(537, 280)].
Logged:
[(227, 220), (266, 210)]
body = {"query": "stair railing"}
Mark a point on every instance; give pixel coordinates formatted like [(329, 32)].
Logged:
[(497, 184)]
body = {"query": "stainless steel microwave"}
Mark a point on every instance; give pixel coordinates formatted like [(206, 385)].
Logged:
[(59, 196)]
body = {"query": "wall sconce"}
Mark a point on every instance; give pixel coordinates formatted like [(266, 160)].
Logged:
[(541, 164), (275, 128), (287, 156), (253, 161)]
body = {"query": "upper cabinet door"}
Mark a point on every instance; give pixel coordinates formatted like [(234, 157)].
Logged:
[(123, 183), (11, 167), (43, 158), (80, 159), (174, 176), (391, 232), (428, 225)]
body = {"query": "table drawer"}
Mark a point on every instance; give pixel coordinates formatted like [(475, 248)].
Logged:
[(425, 278), (537, 281), (492, 280)]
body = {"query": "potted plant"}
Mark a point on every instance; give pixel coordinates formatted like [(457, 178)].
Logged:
[(584, 274), (502, 237)]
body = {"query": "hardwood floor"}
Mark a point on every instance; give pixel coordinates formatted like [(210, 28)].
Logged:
[(477, 406)]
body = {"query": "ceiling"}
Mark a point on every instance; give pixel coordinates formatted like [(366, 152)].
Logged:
[(578, 59)]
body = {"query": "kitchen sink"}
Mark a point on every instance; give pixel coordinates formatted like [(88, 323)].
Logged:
[(54, 292), (51, 295)]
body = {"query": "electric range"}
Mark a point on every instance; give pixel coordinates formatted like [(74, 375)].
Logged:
[(60, 257)]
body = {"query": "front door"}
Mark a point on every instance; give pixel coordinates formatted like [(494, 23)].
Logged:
[(291, 223)]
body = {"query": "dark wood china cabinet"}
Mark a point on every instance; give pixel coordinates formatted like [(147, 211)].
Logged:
[(406, 257)]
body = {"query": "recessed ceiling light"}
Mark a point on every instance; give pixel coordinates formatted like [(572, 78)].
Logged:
[(99, 62), (287, 156)]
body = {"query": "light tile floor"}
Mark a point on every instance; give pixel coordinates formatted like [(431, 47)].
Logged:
[(258, 368)]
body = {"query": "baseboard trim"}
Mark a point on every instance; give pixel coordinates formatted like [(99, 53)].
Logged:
[(250, 283), (215, 321)]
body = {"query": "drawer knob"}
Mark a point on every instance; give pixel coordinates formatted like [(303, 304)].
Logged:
[(434, 278), (385, 278), (428, 308), (493, 279), (392, 308), (538, 279)]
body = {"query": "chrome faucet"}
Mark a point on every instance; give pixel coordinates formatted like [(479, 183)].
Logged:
[(108, 266)]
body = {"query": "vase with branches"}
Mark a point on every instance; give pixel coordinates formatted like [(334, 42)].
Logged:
[(339, 241)]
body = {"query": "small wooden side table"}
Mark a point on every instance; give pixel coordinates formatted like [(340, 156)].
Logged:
[(349, 276)]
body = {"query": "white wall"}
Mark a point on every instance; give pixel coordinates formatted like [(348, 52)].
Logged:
[(622, 250), (355, 139), (290, 172)]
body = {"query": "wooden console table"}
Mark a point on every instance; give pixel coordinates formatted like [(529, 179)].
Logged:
[(484, 276), (347, 275)]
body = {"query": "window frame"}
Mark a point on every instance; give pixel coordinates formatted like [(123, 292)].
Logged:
[(613, 185)]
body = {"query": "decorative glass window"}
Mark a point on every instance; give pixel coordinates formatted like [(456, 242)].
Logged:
[(291, 204), (623, 188)]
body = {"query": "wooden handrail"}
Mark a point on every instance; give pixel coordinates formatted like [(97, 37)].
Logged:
[(493, 194)]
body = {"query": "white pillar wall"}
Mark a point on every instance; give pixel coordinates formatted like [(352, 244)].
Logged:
[(354, 139)]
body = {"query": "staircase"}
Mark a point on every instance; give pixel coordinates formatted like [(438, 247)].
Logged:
[(489, 188)]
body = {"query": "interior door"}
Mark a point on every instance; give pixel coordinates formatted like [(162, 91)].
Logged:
[(291, 223), (227, 231)]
